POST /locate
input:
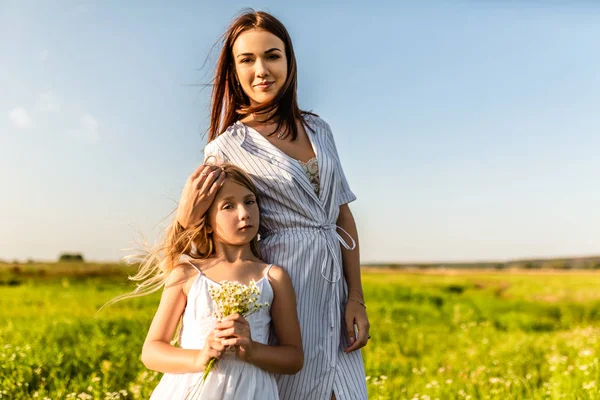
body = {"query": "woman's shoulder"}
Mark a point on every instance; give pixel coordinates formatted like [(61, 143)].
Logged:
[(233, 135), (314, 119), (316, 123), (235, 130)]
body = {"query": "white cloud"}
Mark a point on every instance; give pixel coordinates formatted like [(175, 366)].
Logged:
[(20, 117), (51, 113), (88, 128)]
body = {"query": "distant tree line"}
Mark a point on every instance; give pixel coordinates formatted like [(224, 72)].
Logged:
[(563, 263), (64, 257), (69, 257)]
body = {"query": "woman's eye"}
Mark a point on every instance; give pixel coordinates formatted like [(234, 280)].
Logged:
[(245, 60), (250, 202), (273, 57), (227, 207)]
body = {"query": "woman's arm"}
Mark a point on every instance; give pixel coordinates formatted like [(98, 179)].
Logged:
[(157, 353), (285, 358), (356, 312)]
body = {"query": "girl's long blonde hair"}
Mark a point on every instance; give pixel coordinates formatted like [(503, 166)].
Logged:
[(156, 263)]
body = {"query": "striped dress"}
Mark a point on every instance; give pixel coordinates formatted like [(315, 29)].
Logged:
[(298, 232)]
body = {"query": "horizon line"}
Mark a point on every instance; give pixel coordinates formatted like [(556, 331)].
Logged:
[(367, 263)]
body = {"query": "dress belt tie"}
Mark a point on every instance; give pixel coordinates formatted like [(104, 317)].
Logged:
[(337, 263), (325, 231)]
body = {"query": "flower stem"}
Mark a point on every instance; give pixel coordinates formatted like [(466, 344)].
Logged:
[(208, 368)]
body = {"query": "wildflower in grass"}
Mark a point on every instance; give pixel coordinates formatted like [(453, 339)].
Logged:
[(585, 353), (135, 390)]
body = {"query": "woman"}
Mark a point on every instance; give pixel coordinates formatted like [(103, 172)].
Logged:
[(307, 226)]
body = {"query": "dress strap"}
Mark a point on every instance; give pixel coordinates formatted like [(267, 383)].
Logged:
[(268, 269), (196, 268)]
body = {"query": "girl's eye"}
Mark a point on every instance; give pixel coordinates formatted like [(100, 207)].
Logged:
[(273, 57), (250, 202), (245, 60), (227, 207)]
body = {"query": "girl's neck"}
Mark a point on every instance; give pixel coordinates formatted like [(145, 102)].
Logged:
[(232, 253)]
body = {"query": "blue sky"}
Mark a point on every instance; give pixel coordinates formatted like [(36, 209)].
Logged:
[(468, 130)]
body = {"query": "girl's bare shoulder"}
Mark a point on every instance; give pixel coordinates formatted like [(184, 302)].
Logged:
[(183, 275), (276, 274)]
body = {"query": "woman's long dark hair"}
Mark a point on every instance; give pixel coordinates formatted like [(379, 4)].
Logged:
[(229, 102)]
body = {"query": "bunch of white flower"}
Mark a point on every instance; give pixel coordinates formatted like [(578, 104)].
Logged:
[(234, 298)]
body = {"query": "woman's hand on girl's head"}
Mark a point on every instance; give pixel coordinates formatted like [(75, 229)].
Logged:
[(213, 348), (234, 330), (198, 193)]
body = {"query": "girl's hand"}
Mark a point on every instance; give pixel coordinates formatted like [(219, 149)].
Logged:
[(356, 313), (234, 330), (198, 193), (213, 348)]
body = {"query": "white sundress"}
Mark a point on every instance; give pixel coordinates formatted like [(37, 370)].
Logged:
[(230, 378)]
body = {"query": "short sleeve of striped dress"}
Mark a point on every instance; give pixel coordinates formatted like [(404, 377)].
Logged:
[(345, 194), (212, 155)]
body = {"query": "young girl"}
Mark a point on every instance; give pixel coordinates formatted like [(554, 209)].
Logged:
[(223, 247)]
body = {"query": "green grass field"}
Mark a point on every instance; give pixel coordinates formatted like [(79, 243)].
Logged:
[(435, 334)]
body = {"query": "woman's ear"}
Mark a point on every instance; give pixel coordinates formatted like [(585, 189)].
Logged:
[(209, 229)]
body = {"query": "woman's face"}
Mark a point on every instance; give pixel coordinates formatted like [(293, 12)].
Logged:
[(260, 65)]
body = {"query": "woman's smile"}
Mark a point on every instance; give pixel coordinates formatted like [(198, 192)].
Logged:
[(264, 85)]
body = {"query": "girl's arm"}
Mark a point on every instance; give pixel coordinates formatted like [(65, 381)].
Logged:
[(285, 358), (356, 313), (157, 353)]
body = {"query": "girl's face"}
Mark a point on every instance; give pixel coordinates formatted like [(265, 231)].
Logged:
[(234, 215), (260, 65)]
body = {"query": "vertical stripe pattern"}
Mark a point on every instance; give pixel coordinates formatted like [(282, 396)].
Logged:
[(298, 233)]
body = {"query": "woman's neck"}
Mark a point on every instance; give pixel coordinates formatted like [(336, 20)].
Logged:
[(262, 118)]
